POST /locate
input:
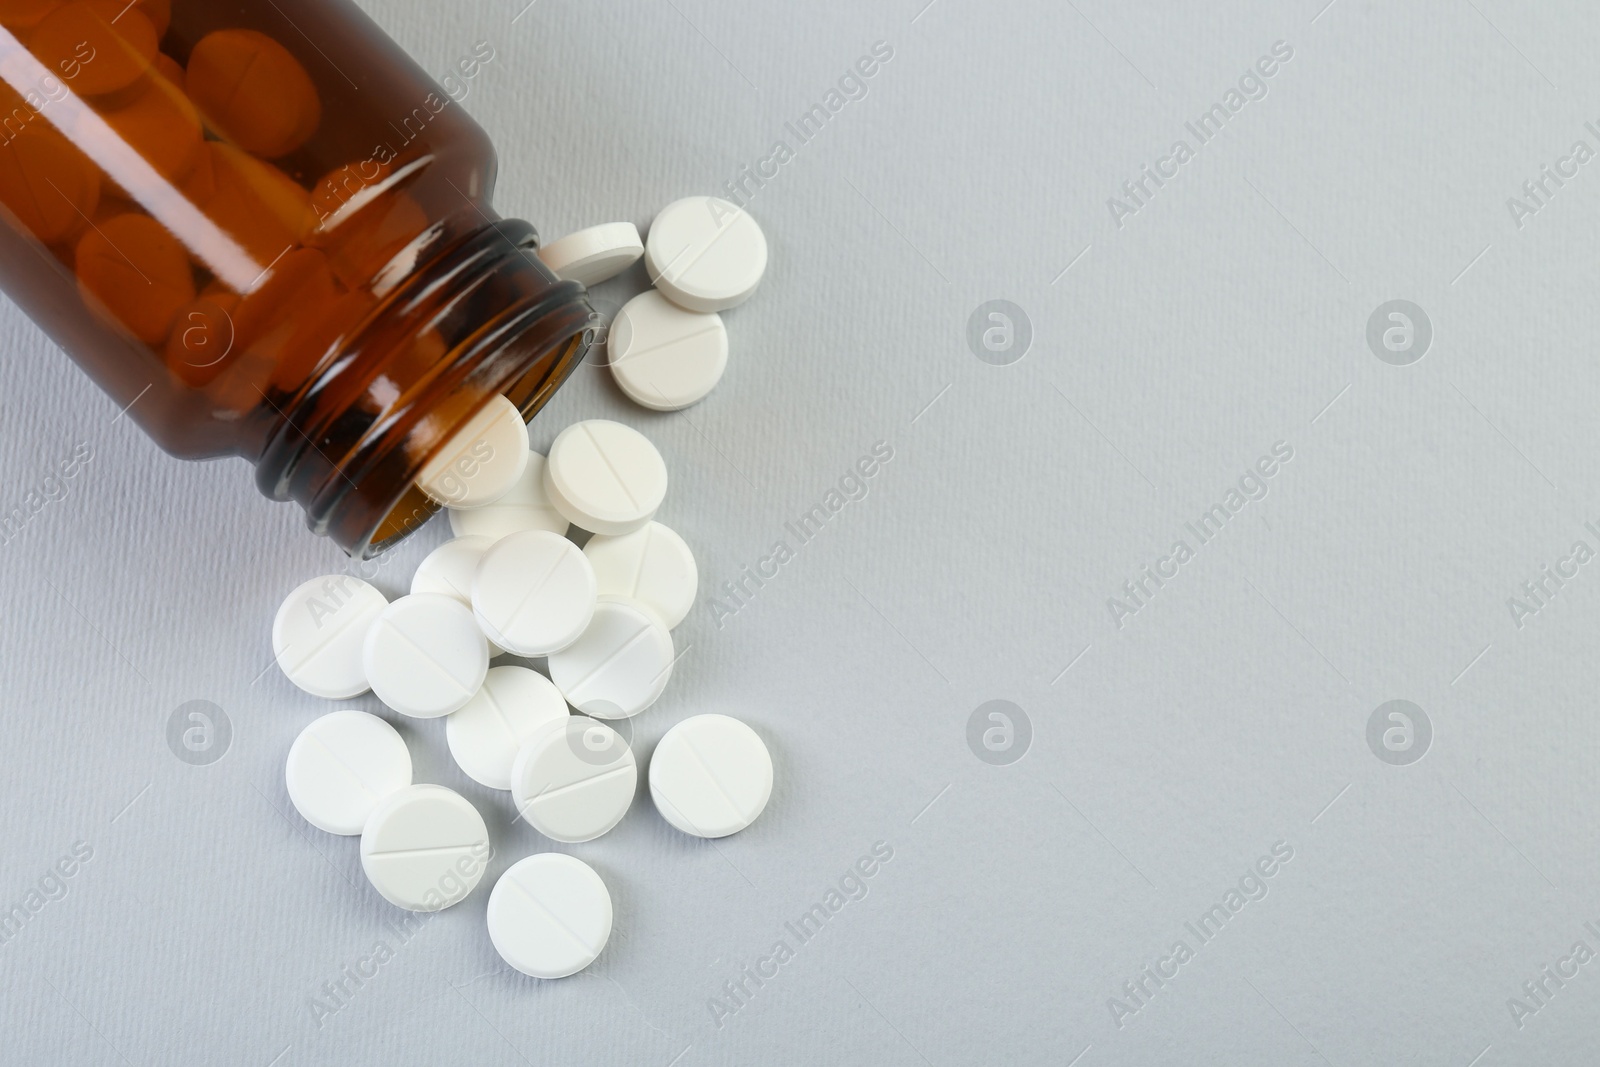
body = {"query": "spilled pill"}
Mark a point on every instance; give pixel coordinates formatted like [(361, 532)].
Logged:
[(710, 776), (533, 593), (482, 461), (705, 253), (663, 357), (549, 915), (595, 254), (424, 848), (574, 780), (651, 566), (605, 477), (425, 656), (621, 663), (320, 630), (513, 705), (341, 766)]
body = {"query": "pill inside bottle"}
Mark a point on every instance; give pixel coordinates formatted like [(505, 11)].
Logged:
[(267, 233)]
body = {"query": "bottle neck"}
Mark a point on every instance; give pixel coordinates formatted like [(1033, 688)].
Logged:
[(483, 318)]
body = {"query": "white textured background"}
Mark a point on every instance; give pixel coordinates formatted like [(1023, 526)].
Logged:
[(1227, 715)]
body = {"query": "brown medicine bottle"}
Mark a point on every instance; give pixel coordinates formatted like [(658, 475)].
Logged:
[(262, 226)]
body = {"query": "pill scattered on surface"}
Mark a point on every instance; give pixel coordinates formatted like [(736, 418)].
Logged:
[(448, 570), (341, 766), (320, 631), (605, 477), (652, 565), (424, 848), (523, 507), (710, 776), (663, 357), (705, 253), (549, 915), (593, 255), (425, 656), (482, 462), (511, 578), (533, 593), (619, 666), (253, 92), (513, 705), (574, 780)]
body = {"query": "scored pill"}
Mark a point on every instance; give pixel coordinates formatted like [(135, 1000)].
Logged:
[(605, 477), (549, 915), (341, 766), (663, 357), (574, 780), (621, 663), (652, 566), (319, 632), (533, 593), (710, 776), (705, 253), (513, 705), (424, 848), (253, 91), (425, 656)]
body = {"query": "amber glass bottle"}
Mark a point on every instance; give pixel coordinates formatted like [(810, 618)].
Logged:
[(260, 226)]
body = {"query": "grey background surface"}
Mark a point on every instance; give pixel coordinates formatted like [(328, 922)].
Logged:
[(1227, 715)]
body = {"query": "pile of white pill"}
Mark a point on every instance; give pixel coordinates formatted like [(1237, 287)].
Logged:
[(512, 582), (668, 347)]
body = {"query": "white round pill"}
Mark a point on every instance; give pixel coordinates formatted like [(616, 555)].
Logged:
[(319, 632), (549, 915), (705, 253), (482, 461), (652, 565), (448, 570), (575, 780), (664, 357), (710, 776), (341, 766), (524, 507), (425, 848), (485, 736), (605, 477), (621, 663), (533, 593), (593, 255), (425, 656)]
